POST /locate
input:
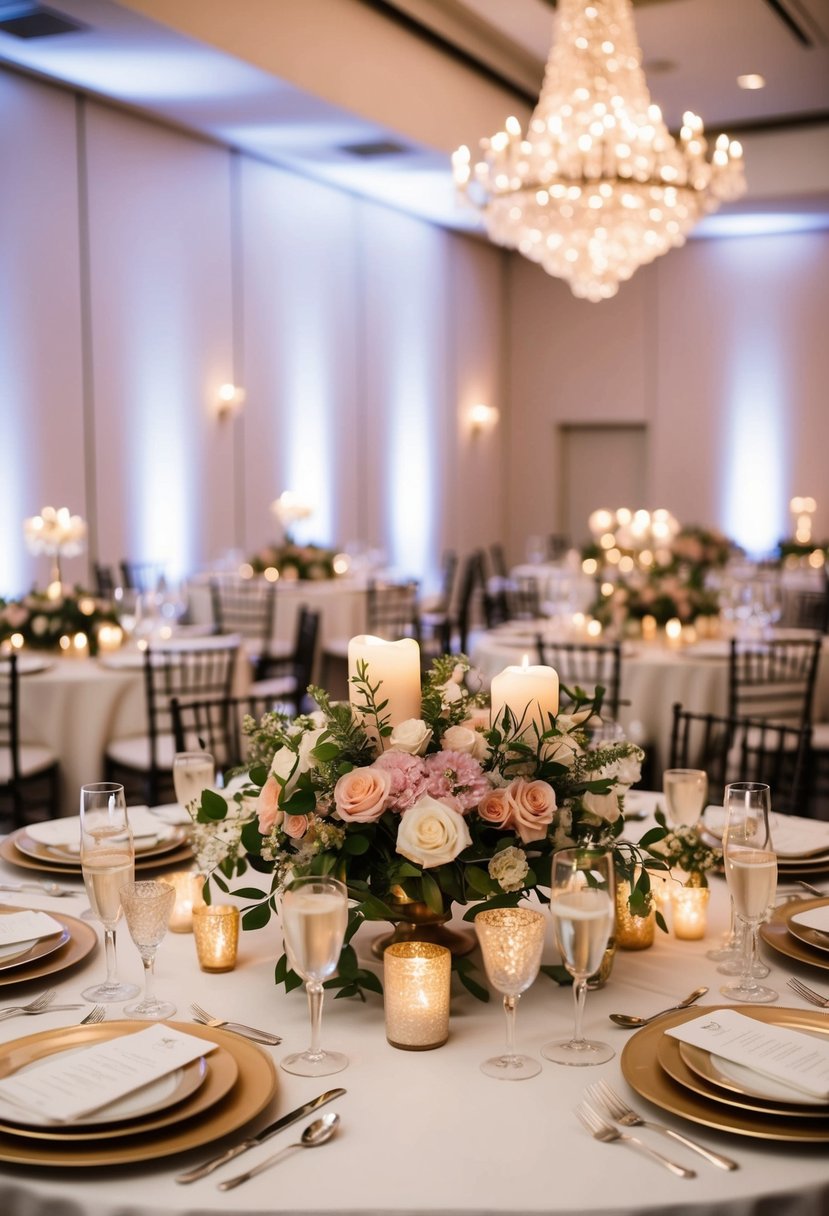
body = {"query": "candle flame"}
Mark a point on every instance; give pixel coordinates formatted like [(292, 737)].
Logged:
[(525, 661)]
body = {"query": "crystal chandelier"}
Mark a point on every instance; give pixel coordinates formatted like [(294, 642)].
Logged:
[(598, 186)]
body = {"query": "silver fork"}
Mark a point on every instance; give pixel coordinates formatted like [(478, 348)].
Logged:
[(96, 1014), (807, 993), (606, 1132), (250, 1032), (619, 1110), (35, 1006)]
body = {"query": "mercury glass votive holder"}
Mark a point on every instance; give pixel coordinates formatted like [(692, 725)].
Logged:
[(632, 932), (689, 906), (416, 979), (188, 887), (216, 930)]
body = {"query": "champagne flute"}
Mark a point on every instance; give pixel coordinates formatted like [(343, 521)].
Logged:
[(107, 862), (583, 906), (751, 874), (685, 792), (192, 773), (314, 913), (511, 943), (147, 907)]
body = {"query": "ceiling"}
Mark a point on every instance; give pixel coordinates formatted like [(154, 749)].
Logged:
[(373, 95)]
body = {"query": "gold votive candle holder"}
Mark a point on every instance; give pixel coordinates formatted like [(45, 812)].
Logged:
[(216, 930), (689, 906), (632, 932), (416, 979), (188, 886)]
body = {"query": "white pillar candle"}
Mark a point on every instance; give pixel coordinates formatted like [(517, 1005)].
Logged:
[(530, 692), (395, 666)]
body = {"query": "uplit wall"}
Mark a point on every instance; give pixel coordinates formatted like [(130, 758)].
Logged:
[(141, 269), (719, 349)]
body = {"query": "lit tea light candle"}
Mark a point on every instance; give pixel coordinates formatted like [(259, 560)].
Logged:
[(80, 643), (416, 995), (395, 666), (648, 627), (188, 888), (110, 638), (16, 641), (673, 631), (216, 930), (531, 693), (690, 912), (594, 628), (65, 642)]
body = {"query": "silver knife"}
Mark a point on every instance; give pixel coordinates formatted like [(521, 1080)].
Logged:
[(201, 1171)]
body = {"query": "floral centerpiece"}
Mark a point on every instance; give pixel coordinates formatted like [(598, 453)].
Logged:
[(41, 619), (293, 561), (674, 585), (682, 848), (446, 808)]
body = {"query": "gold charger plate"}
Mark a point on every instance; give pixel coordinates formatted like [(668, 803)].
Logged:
[(775, 933), (704, 1065), (642, 1069), (30, 847), (255, 1086), (204, 1083), (181, 855), (812, 937), (34, 949), (82, 941)]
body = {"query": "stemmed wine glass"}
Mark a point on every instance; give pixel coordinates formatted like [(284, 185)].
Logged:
[(751, 874), (314, 913), (192, 773), (685, 792), (582, 902), (147, 907), (512, 940), (108, 863)]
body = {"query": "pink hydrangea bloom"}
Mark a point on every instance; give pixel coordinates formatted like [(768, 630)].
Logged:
[(456, 779), (407, 777)]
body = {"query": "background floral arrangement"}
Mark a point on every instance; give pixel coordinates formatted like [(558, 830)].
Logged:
[(681, 848), (295, 561), (42, 620), (676, 587), (439, 810)]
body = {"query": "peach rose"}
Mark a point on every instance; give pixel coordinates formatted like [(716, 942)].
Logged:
[(495, 808), (267, 805), (532, 804), (361, 795), (295, 826)]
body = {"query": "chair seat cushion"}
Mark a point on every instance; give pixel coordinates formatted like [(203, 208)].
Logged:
[(134, 752), (32, 758)]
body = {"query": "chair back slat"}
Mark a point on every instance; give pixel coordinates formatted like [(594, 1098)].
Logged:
[(246, 606), (216, 726), (586, 665), (773, 679), (392, 610)]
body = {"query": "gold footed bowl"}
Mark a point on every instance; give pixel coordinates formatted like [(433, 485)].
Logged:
[(419, 923)]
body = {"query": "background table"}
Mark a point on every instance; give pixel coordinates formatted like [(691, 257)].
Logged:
[(655, 675), (427, 1132)]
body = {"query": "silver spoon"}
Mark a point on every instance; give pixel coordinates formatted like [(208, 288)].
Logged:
[(316, 1133), (629, 1020)]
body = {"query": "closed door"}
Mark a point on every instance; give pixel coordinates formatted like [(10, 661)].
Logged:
[(601, 466)]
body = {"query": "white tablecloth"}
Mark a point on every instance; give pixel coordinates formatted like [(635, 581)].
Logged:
[(428, 1132), (654, 677)]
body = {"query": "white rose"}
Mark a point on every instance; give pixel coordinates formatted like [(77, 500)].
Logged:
[(605, 807), (626, 770), (465, 740), (412, 737), (289, 766), (432, 834), (450, 692), (563, 749)]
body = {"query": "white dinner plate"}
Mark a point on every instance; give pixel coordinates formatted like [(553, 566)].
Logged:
[(743, 1080)]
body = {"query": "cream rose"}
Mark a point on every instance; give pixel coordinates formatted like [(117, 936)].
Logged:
[(532, 804), (361, 795), (432, 834), (412, 737), (604, 807), (465, 740), (563, 749), (509, 868), (289, 766)]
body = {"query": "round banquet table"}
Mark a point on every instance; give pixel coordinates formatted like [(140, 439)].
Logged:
[(427, 1132), (655, 676)]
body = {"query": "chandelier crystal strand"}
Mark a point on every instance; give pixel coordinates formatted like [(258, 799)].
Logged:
[(598, 186)]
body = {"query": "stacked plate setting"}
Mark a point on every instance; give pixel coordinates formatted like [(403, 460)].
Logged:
[(53, 847)]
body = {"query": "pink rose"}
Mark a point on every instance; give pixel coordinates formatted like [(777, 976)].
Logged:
[(494, 808), (267, 805), (295, 826), (532, 804), (361, 795)]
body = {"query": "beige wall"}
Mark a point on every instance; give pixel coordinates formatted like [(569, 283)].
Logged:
[(719, 348)]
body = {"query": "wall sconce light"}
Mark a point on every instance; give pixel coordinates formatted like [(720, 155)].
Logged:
[(482, 418), (229, 401)]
